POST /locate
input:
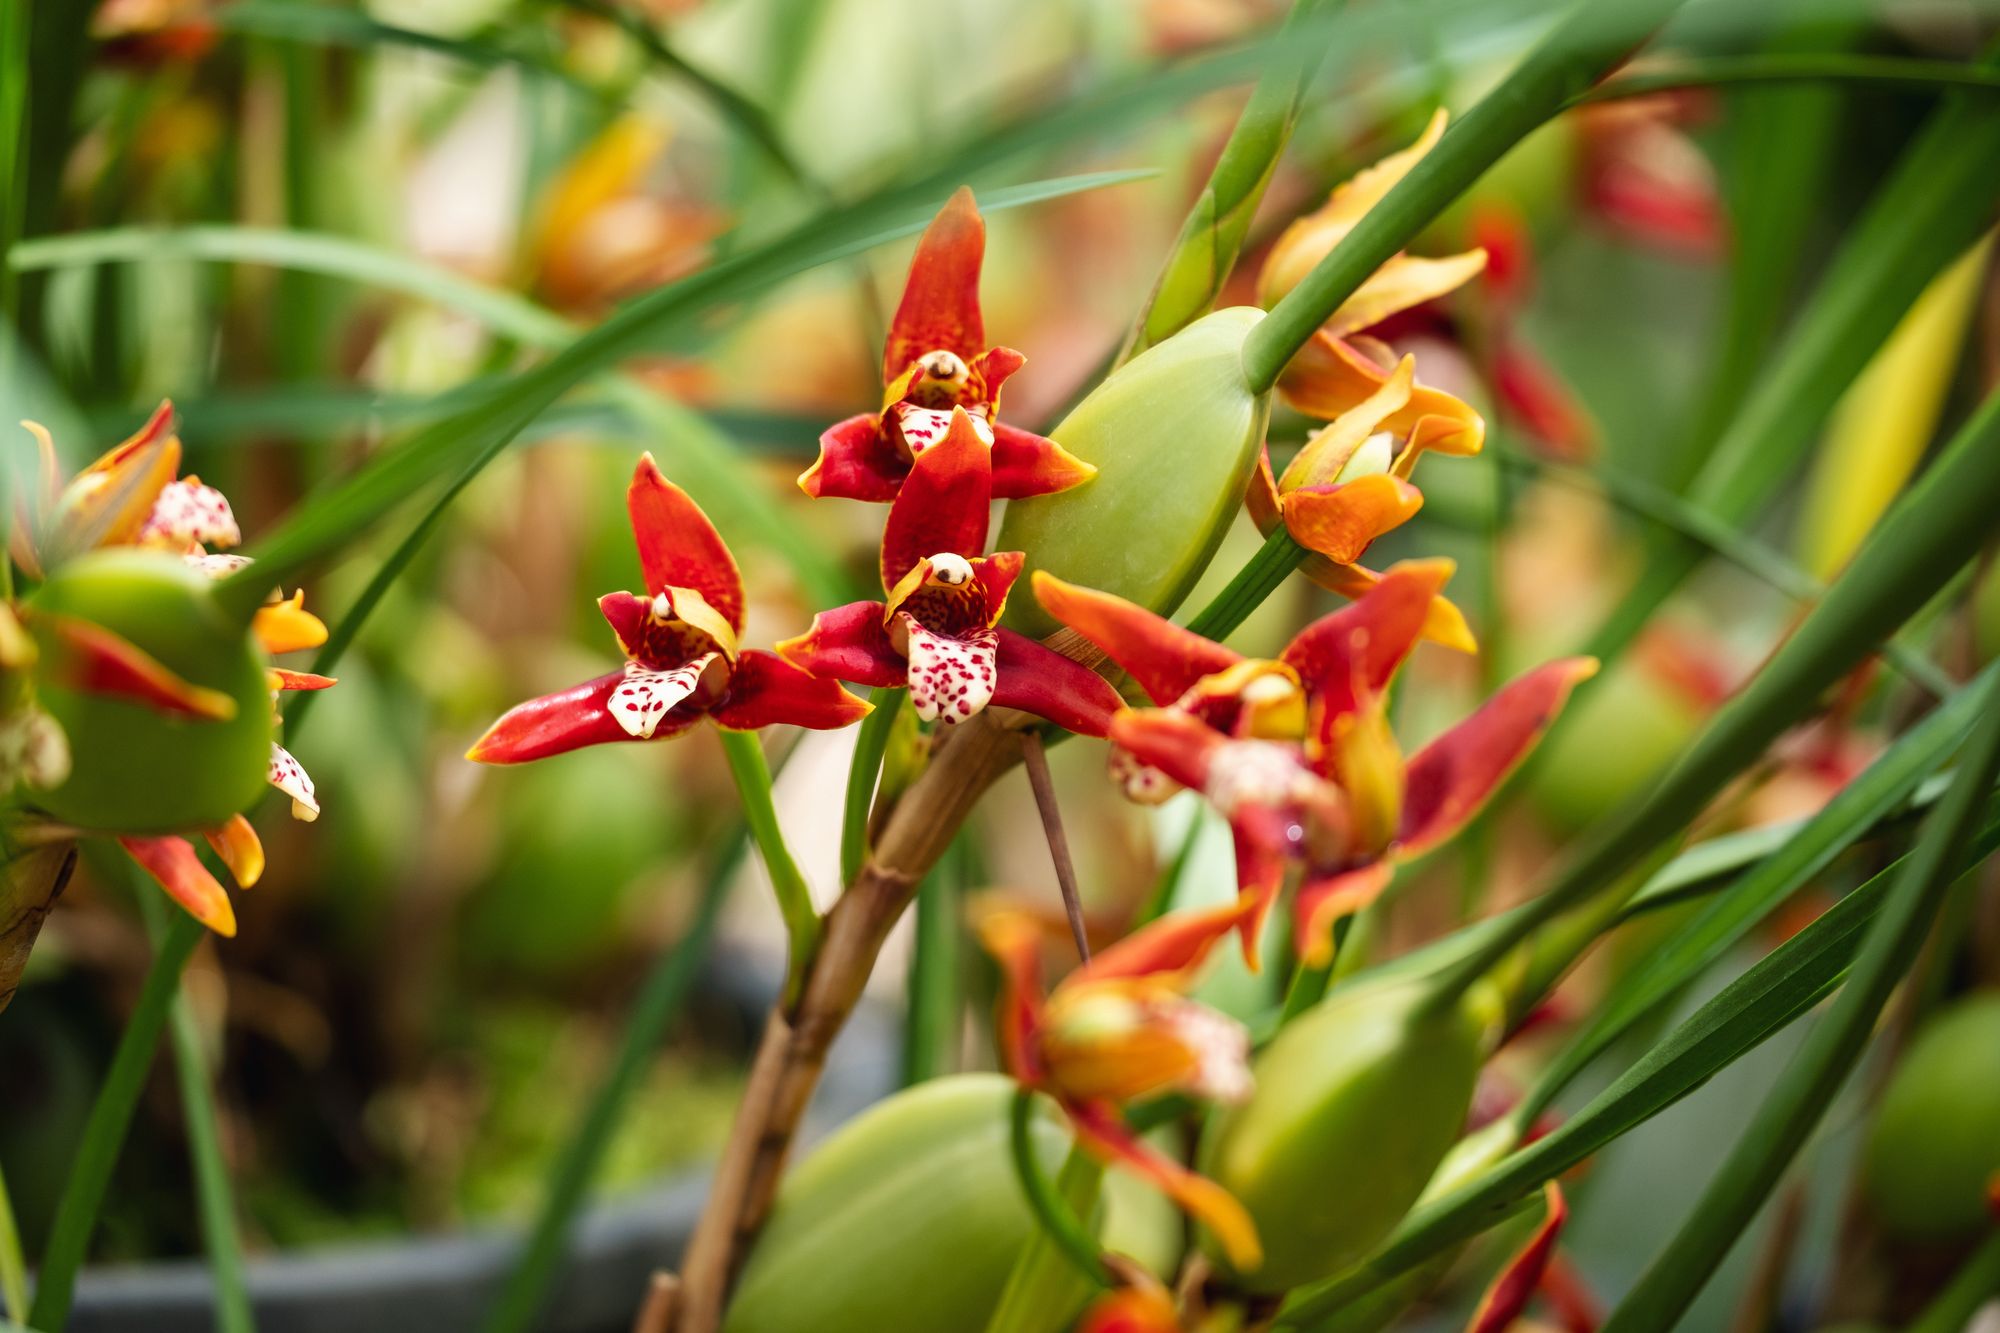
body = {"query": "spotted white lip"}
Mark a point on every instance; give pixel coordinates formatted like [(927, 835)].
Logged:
[(1255, 773), (641, 700), (951, 678), (922, 427)]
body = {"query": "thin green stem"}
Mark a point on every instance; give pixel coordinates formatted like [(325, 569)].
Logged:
[(1060, 1224), (215, 1201), (571, 1173), (871, 739), (1809, 1085), (13, 1267), (1592, 37), (1936, 76), (753, 784), (1257, 580), (931, 1028), (104, 1130)]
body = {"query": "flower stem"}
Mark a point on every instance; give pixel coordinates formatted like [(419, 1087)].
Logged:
[(1037, 761), (870, 740), (104, 1131), (1594, 36), (1258, 579), (1055, 1217), (753, 785), (931, 1030)]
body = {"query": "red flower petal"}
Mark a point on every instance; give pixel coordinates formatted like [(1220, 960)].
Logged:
[(1324, 899), (1025, 463), (1450, 778), (172, 862), (766, 690), (994, 367), (856, 462), (1258, 837), (1508, 1297), (996, 574), (848, 643), (1164, 658), (678, 546), (1037, 679), (940, 306), (1176, 943), (559, 723), (944, 505), (94, 660), (300, 680), (1015, 941), (1179, 744), (1354, 652), (1534, 398), (1103, 1133)]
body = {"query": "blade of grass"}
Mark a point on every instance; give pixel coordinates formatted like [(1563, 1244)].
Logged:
[(1933, 530), (215, 1201), (1778, 988), (1662, 972), (526, 1291), (104, 1130), (1814, 1078), (1935, 204)]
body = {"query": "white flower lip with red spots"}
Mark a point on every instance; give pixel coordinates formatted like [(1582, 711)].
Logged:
[(643, 699), (950, 678)]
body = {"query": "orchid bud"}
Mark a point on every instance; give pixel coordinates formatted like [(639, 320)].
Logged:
[(1173, 434), (1932, 1151), (907, 1219), (1356, 1104), (137, 767)]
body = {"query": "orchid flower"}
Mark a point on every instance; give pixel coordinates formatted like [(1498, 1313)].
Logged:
[(1120, 1029), (1643, 175), (682, 659), (1297, 753), (1526, 388), (133, 496), (938, 631), (936, 361)]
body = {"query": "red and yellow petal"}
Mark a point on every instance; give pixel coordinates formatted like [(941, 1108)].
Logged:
[(1105, 1135), (766, 690), (1340, 522), (1507, 1299), (993, 368), (1037, 679), (237, 844), (93, 660), (1014, 939), (678, 546), (856, 462), (1163, 658), (1452, 777), (940, 306), (1258, 841), (1172, 946), (282, 679), (995, 576), (944, 505), (1025, 464), (1178, 744), (1146, 1308), (1357, 650), (847, 643), (1444, 623), (108, 503), (172, 863), (1324, 899)]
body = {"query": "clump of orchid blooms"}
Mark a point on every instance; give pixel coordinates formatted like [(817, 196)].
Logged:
[(133, 496)]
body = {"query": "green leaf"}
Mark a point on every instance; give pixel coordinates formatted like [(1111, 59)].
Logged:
[(1778, 988), (1934, 528), (1811, 1082)]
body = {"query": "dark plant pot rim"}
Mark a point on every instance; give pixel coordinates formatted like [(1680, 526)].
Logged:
[(448, 1282)]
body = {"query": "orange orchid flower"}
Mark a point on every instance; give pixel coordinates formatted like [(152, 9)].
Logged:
[(935, 363), (133, 496), (1298, 754), (938, 631), (1120, 1029), (1140, 1306), (682, 660)]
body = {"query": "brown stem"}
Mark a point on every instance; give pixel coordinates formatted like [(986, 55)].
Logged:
[(1052, 827), (792, 1053)]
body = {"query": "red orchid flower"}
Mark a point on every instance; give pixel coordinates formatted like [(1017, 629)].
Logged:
[(132, 495), (1119, 1029), (1642, 174), (1297, 753), (1140, 1306), (938, 632), (937, 361), (682, 662), (1537, 1267), (1527, 389)]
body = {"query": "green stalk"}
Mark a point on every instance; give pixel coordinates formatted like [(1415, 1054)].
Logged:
[(931, 1029), (1259, 578), (1212, 236), (753, 784), (570, 1174), (13, 1267), (1044, 1290), (1934, 529), (1814, 1078), (870, 740), (1888, 72), (104, 1131), (1933, 207), (1051, 1210), (215, 1200), (1976, 1282), (1592, 37)]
